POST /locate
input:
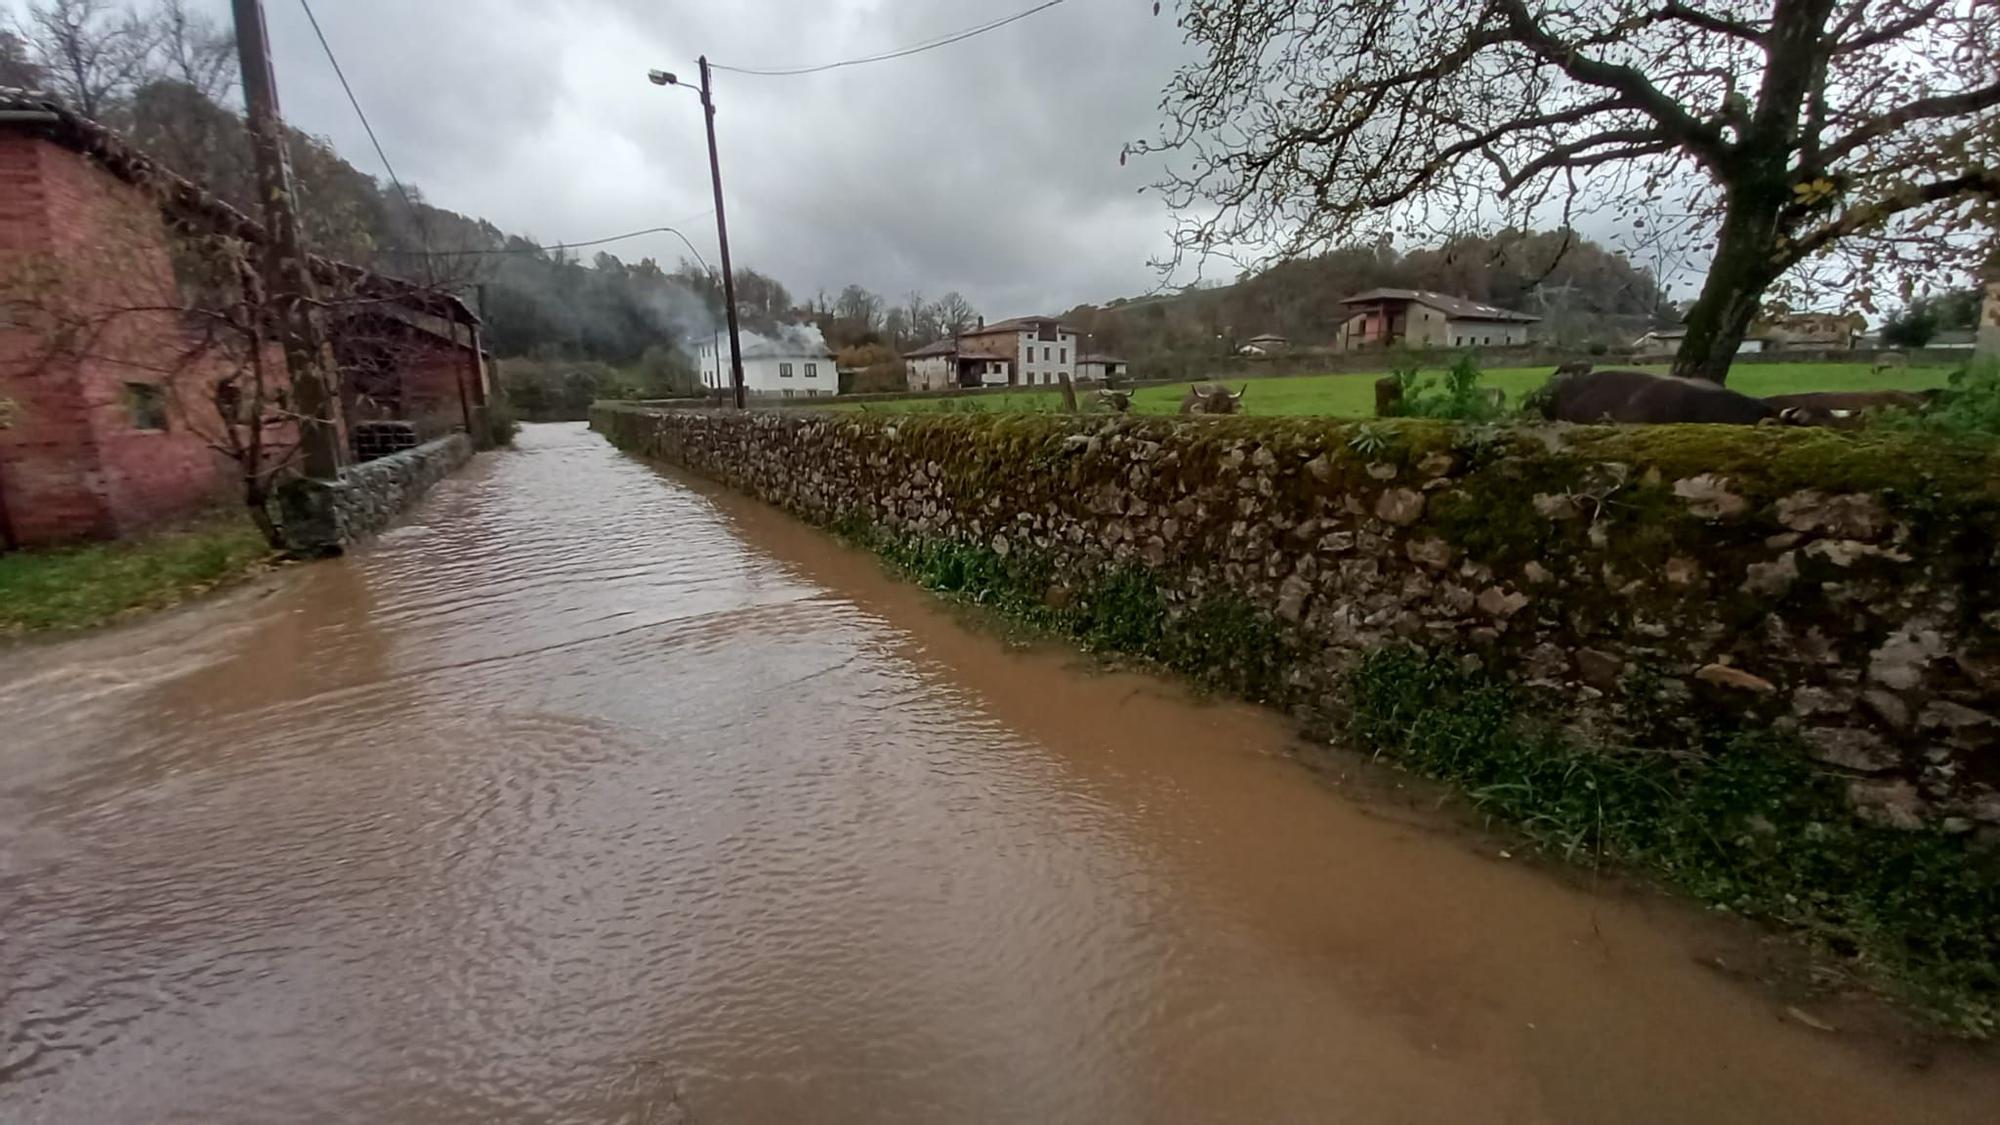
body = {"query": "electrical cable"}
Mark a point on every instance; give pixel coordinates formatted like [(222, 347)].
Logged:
[(900, 52)]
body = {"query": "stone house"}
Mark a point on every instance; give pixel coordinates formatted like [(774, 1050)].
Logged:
[(1421, 318), (1827, 332), (1027, 351), (113, 386)]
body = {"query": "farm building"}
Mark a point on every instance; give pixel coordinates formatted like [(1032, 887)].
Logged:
[(1420, 318), (116, 384)]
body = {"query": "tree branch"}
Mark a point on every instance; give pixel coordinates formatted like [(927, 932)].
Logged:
[(1675, 10), (1888, 32), (1675, 122), (1943, 105), (1866, 216)]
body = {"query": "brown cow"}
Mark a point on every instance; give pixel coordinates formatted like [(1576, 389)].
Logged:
[(1637, 396), (1210, 398)]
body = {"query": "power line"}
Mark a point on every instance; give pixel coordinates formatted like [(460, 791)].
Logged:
[(900, 52), (555, 245), (423, 228)]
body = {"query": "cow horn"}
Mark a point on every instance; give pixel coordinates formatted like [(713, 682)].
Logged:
[(1794, 416), (1239, 394)]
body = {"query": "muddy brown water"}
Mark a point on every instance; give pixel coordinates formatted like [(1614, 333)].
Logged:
[(594, 795)]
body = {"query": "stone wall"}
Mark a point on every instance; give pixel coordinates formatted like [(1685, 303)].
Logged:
[(319, 517), (1647, 581)]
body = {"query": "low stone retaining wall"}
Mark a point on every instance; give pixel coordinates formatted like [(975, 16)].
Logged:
[(1645, 580), (321, 518)]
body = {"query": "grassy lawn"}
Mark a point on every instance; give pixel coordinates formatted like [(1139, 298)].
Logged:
[(64, 588), (1353, 395)]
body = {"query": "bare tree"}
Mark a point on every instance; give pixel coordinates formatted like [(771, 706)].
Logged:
[(194, 50), (858, 312), (17, 66), (90, 54), (920, 317), (1793, 143), (954, 314)]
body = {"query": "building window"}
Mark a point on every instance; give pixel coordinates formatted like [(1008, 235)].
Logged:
[(812, 392), (1062, 355), (148, 404), (812, 370), (1045, 353), (1461, 342), (784, 371), (788, 392)]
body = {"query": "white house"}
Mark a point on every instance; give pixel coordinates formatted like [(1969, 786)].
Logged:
[(1664, 341), (794, 364), (1268, 344), (944, 364), (1100, 368)]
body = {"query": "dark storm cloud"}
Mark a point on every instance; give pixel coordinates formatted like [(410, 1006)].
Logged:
[(989, 166)]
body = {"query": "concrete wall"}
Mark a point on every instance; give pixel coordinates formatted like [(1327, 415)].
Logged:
[(1643, 579)]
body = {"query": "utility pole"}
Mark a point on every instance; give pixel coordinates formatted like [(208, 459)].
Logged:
[(722, 239), (287, 281)]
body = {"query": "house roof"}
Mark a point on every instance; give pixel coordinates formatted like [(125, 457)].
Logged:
[(189, 206), (1097, 357), (1272, 335), (1457, 308), (1017, 324), (951, 348)]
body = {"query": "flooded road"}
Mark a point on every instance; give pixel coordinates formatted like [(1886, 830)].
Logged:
[(591, 795)]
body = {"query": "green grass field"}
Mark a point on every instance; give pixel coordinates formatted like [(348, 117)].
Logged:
[(1353, 395), (64, 588)]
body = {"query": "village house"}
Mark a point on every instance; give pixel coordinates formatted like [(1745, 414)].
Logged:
[(1667, 341), (112, 391), (795, 363), (1025, 351), (1828, 332), (1096, 368), (1420, 318), (1264, 345)]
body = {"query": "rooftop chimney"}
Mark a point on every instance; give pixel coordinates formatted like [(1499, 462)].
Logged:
[(981, 320)]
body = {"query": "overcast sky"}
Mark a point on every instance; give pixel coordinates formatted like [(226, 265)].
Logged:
[(989, 166)]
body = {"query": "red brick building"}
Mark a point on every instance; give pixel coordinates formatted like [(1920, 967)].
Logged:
[(109, 409)]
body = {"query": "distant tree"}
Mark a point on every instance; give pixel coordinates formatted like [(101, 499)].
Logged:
[(1913, 327), (856, 314), (954, 314), (1851, 135), (17, 66), (90, 54)]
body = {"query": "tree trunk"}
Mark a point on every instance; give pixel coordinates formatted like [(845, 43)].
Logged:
[(257, 498), (1737, 278)]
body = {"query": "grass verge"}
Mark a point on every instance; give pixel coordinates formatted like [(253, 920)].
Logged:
[(67, 588), (1353, 395)]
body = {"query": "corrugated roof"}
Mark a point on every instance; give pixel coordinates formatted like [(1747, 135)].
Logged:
[(935, 347), (1095, 357), (1457, 308)]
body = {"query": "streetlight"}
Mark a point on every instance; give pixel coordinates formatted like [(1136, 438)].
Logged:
[(667, 78)]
